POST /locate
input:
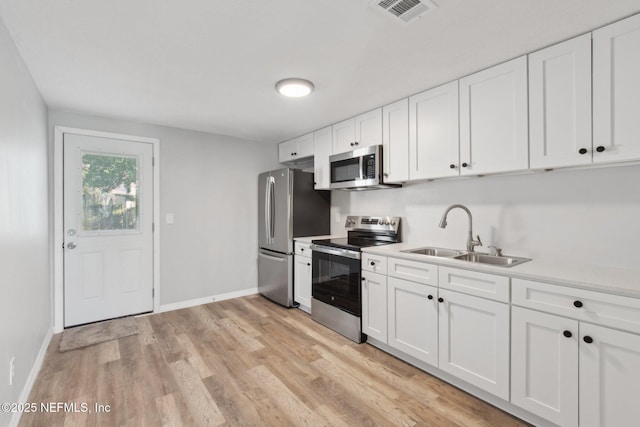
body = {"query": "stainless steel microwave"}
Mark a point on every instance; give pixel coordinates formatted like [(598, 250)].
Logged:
[(359, 169)]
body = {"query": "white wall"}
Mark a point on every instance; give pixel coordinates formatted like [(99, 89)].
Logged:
[(25, 314), (583, 216), (209, 183)]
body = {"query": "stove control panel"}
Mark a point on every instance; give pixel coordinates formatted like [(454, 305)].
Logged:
[(373, 223)]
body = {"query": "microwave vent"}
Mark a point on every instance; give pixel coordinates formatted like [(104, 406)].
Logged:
[(406, 10)]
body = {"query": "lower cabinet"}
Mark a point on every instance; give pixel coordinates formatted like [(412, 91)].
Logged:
[(544, 365), (374, 305), (474, 341), (574, 373), (302, 282), (413, 319)]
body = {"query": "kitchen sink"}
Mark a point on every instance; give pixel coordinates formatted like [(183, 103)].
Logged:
[(437, 252), (503, 261)]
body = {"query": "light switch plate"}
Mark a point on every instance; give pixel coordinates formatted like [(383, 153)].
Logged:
[(169, 218)]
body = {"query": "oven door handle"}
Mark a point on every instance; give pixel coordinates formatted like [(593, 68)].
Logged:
[(336, 251)]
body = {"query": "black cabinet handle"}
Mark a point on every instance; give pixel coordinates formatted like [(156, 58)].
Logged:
[(372, 263), (355, 143), (587, 339), (440, 299), (363, 279), (577, 304), (351, 144), (308, 264), (464, 165), (301, 249), (582, 151), (429, 296), (452, 166), (600, 148), (567, 334)]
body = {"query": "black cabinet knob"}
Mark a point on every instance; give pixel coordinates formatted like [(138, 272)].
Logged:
[(429, 296), (599, 148), (452, 166), (577, 304), (301, 249), (440, 299), (372, 263), (567, 334), (582, 151), (587, 339), (351, 144), (308, 263), (355, 143), (464, 165), (363, 279)]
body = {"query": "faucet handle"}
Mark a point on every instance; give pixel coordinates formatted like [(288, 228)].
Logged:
[(477, 242), (494, 250)]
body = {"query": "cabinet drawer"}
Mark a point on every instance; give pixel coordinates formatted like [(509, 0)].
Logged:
[(374, 263), (594, 307), (302, 248), (475, 283), (413, 270)]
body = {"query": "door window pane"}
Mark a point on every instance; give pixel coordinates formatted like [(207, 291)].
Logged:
[(109, 192)]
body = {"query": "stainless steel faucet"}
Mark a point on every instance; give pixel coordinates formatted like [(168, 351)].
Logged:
[(471, 244)]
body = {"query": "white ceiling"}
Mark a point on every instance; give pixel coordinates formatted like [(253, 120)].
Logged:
[(211, 65)]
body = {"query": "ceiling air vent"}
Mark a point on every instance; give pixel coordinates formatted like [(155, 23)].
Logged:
[(406, 10)]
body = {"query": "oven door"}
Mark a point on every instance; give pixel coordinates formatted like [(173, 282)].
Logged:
[(335, 278)]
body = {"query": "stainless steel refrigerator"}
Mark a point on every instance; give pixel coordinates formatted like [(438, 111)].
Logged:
[(288, 207)]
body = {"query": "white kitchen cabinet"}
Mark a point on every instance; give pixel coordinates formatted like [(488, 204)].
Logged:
[(296, 150), (358, 132), (413, 319), (560, 104), (374, 305), (395, 141), (544, 368), (609, 377), (494, 119), (485, 285), (374, 263), (322, 149), (616, 91), (414, 271), (433, 133), (474, 341), (302, 276)]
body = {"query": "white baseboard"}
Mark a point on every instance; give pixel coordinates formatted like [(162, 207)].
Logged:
[(31, 379), (207, 300)]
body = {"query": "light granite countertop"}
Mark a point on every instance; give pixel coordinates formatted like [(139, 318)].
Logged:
[(611, 280)]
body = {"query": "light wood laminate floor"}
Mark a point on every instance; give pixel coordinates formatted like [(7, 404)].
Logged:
[(245, 362)]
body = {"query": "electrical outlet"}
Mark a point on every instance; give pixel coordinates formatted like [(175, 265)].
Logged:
[(337, 216), (12, 369)]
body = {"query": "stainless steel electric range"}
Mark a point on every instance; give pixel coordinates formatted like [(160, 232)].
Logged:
[(336, 275)]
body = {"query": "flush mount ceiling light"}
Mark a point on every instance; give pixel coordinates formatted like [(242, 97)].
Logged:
[(294, 88)]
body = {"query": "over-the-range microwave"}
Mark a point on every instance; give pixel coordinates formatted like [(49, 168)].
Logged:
[(359, 169)]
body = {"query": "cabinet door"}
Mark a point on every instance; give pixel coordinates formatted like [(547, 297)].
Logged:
[(494, 120), (344, 136), (395, 141), (413, 319), (433, 133), (304, 147), (286, 151), (616, 91), (474, 341), (544, 372), (374, 305), (302, 282), (560, 104), (322, 146), (368, 128), (609, 377)]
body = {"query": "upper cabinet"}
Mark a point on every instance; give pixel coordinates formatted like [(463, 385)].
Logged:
[(493, 119), (395, 141), (560, 104), (296, 150), (433, 133), (360, 131), (322, 141), (616, 91)]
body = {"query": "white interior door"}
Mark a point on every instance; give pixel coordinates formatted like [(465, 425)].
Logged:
[(108, 236)]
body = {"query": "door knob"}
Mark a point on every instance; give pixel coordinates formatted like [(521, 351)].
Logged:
[(71, 245)]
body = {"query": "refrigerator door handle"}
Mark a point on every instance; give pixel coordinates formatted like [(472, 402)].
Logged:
[(267, 210), (272, 207), (273, 258)]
